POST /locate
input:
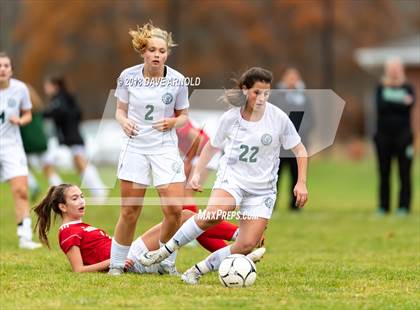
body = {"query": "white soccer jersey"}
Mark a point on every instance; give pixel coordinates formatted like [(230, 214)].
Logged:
[(12, 100), (150, 103), (252, 149)]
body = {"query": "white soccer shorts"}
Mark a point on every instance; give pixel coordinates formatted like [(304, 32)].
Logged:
[(159, 169), (13, 163), (250, 205)]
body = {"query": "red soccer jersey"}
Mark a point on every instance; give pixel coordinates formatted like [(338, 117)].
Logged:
[(94, 243), (184, 141)]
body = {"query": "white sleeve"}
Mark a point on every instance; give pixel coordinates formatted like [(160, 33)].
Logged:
[(25, 103), (289, 138), (218, 139), (122, 89), (182, 102)]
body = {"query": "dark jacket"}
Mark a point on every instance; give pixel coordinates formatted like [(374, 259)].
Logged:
[(66, 114), (393, 115)]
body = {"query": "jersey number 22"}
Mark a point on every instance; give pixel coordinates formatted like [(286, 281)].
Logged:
[(245, 149)]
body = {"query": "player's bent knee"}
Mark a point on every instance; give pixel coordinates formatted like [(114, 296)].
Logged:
[(130, 214), (172, 211), (246, 247)]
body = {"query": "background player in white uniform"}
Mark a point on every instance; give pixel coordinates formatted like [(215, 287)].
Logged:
[(150, 105), (251, 136), (15, 111)]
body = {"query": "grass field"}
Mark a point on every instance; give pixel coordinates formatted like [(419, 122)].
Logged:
[(337, 254)]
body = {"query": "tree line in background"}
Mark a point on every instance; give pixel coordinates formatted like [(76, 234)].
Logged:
[(89, 42)]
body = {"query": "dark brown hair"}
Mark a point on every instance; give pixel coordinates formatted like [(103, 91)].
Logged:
[(235, 97), (55, 196), (58, 81)]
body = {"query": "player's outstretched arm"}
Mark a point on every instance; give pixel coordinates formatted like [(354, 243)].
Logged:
[(300, 190), (206, 155), (76, 262)]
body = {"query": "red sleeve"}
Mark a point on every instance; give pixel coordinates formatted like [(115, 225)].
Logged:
[(183, 131), (69, 237)]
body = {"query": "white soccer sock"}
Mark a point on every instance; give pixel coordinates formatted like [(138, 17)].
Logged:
[(55, 180), (118, 254), (202, 267), (92, 180), (33, 184), (213, 261), (171, 258), (137, 249), (185, 234), (24, 229)]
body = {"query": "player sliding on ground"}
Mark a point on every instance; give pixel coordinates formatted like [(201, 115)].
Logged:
[(88, 249), (250, 134)]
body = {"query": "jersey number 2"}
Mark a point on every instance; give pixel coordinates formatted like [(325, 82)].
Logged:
[(245, 149), (148, 116)]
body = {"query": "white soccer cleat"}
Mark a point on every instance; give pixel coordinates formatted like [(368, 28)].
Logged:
[(169, 268), (154, 257), (256, 255), (191, 276), (115, 271), (28, 244)]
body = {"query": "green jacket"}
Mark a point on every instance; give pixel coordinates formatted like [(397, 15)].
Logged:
[(33, 135)]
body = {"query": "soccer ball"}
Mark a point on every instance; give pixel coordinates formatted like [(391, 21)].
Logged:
[(237, 270)]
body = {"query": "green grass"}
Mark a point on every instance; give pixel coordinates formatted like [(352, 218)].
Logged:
[(337, 254)]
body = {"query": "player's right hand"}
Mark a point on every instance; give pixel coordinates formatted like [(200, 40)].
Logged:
[(129, 263), (14, 120), (195, 183), (130, 128), (260, 243)]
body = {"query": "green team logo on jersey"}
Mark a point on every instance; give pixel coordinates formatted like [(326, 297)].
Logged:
[(269, 202), (11, 103), (167, 98), (266, 139)]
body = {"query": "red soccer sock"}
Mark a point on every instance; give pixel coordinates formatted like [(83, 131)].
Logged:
[(211, 244), (192, 208), (224, 230), (213, 238)]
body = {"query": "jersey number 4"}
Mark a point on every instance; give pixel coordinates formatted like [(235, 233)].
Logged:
[(252, 157)]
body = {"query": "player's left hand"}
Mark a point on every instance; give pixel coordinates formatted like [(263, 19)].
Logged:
[(15, 120), (195, 183), (165, 124), (301, 194)]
